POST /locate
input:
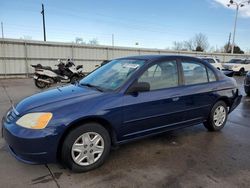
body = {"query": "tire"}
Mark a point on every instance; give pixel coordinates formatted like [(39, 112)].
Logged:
[(74, 79), (40, 85), (242, 72), (75, 148), (216, 125)]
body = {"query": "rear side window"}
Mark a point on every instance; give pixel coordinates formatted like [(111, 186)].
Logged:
[(194, 73), (211, 75)]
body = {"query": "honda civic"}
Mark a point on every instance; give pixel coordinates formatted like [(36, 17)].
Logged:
[(121, 101)]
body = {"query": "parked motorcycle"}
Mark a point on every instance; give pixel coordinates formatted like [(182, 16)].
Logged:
[(45, 76)]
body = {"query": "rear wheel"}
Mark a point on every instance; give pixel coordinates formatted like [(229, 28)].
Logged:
[(86, 147), (40, 84), (217, 117), (242, 72)]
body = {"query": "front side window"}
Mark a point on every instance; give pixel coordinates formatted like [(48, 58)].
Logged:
[(112, 75), (194, 73), (160, 76)]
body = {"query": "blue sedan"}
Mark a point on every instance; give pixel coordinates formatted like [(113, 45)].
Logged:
[(123, 100)]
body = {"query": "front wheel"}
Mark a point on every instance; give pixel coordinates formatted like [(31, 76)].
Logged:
[(74, 79), (248, 94), (86, 147), (217, 117)]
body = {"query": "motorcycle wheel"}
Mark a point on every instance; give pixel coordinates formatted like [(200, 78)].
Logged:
[(74, 79), (40, 85)]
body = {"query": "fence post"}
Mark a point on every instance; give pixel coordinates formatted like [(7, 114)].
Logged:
[(107, 53), (4, 62), (72, 51), (26, 59)]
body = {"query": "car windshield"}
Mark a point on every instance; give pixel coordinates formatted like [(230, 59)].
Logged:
[(218, 60), (208, 60), (112, 75), (235, 61)]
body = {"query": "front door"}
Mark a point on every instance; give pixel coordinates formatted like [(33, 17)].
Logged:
[(152, 111)]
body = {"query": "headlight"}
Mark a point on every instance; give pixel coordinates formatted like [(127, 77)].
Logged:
[(236, 66), (37, 120)]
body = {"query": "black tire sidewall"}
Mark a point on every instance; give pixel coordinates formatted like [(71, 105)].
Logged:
[(71, 138), (210, 125), (242, 72), (38, 85), (74, 79)]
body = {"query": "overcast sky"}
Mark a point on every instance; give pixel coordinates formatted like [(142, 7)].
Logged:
[(151, 23)]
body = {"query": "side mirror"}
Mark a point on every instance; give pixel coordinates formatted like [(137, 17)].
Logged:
[(139, 87)]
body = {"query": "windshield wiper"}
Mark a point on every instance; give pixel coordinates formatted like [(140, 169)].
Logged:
[(92, 86)]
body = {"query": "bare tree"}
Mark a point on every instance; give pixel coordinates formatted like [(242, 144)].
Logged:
[(200, 42), (177, 45), (79, 40), (189, 45), (93, 42)]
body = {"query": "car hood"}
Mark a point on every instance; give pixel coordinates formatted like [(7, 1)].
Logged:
[(64, 94)]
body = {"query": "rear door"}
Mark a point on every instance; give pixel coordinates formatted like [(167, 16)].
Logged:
[(197, 90)]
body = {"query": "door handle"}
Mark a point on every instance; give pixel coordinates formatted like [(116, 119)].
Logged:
[(175, 98)]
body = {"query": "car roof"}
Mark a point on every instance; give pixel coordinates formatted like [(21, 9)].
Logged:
[(157, 57), (206, 57)]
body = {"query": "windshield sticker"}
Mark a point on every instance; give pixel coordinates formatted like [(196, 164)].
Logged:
[(130, 65)]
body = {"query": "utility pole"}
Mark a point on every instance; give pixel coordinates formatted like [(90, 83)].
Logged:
[(235, 24), (113, 41), (44, 30), (2, 29), (113, 45), (229, 40)]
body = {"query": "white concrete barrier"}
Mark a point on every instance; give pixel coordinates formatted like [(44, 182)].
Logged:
[(16, 56)]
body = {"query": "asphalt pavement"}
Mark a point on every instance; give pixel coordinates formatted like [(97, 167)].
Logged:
[(190, 157)]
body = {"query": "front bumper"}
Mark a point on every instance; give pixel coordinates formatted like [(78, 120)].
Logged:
[(30, 146), (247, 89), (228, 73), (247, 84)]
